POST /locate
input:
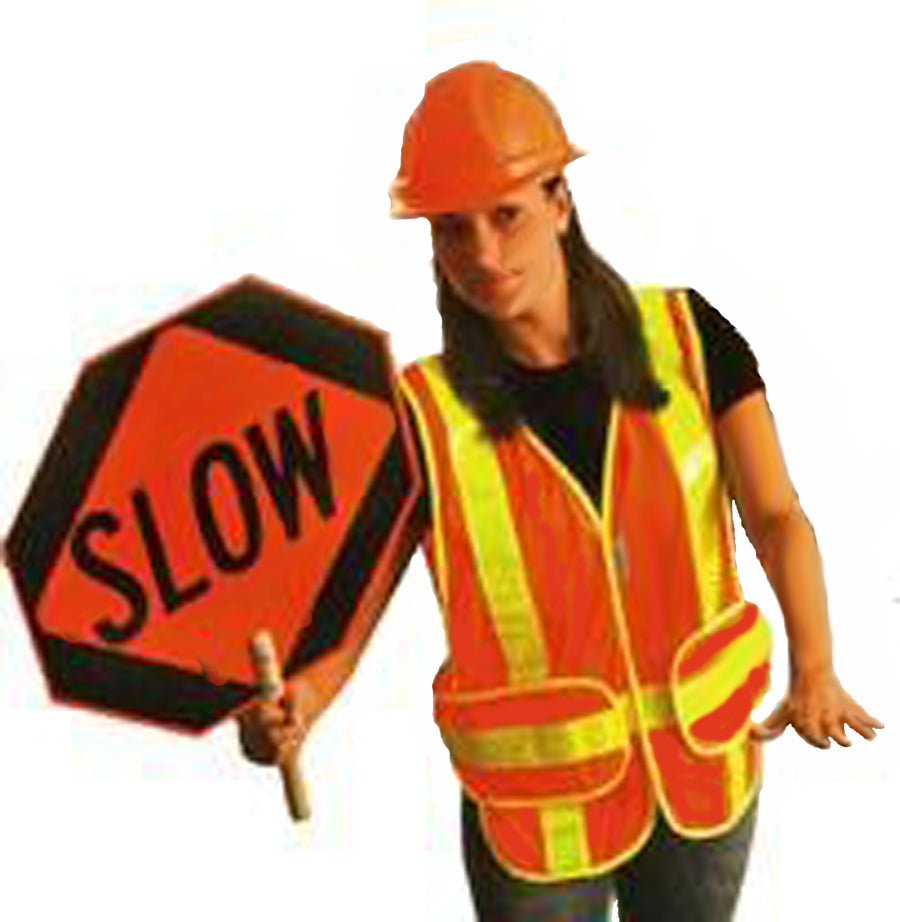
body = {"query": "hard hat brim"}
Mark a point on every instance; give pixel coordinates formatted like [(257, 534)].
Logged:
[(405, 206)]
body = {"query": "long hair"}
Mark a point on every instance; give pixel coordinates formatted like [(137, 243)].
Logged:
[(604, 321)]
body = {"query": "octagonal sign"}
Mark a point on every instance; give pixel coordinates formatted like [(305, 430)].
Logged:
[(242, 465)]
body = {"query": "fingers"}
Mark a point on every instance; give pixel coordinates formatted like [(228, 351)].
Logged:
[(819, 732), (813, 727), (863, 724), (857, 717), (866, 717), (817, 726), (773, 725), (818, 715), (847, 711), (281, 713), (806, 726), (835, 729), (269, 714), (294, 710), (812, 736), (255, 742), (271, 732), (285, 732), (764, 733)]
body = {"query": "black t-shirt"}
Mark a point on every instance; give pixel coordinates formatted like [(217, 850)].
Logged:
[(570, 413)]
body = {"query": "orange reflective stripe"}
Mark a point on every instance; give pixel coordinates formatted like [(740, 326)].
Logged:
[(689, 343), (544, 785)]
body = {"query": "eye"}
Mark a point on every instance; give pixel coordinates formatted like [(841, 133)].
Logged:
[(506, 215)]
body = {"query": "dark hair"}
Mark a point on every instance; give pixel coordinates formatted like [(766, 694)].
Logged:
[(604, 320)]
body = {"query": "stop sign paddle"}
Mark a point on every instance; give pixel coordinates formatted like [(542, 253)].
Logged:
[(242, 466)]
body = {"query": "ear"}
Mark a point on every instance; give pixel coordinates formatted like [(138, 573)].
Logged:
[(558, 199), (560, 202), (562, 205)]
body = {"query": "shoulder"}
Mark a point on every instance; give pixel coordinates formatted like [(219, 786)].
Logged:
[(711, 322), (718, 334), (668, 326), (731, 366), (656, 299), (682, 316)]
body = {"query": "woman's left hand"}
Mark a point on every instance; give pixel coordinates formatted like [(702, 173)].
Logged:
[(818, 707)]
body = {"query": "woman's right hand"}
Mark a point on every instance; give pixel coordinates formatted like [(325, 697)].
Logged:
[(271, 732)]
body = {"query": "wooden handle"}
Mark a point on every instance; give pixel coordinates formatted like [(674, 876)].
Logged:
[(268, 675)]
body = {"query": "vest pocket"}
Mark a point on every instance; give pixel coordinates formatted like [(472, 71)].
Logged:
[(558, 740), (720, 675)]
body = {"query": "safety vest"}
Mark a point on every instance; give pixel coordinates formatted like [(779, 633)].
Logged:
[(600, 666)]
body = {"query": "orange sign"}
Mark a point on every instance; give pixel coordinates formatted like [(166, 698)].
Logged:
[(241, 466)]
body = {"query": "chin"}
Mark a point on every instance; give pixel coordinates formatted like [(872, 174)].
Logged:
[(497, 310), (499, 301)]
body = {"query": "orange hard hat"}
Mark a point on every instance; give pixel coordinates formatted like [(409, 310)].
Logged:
[(478, 132)]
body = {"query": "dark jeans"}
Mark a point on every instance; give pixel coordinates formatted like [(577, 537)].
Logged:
[(672, 879)]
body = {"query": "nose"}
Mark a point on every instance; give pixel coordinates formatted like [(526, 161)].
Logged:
[(484, 250)]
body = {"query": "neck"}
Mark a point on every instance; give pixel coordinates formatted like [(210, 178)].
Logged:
[(540, 337)]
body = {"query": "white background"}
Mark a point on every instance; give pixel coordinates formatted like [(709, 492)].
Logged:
[(156, 150)]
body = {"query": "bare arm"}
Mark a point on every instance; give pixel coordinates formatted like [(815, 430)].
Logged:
[(785, 544), (777, 527)]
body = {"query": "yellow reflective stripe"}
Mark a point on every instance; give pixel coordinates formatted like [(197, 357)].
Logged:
[(561, 742), (492, 532), (721, 579), (656, 707), (702, 693), (691, 446), (736, 774), (547, 744), (727, 575), (437, 530), (565, 838)]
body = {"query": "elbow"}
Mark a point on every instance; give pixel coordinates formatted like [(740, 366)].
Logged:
[(771, 534)]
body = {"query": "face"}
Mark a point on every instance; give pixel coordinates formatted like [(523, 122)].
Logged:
[(506, 260)]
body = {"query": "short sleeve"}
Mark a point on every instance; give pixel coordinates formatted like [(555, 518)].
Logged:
[(731, 367)]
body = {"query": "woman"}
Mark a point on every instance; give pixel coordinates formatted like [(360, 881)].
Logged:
[(582, 443)]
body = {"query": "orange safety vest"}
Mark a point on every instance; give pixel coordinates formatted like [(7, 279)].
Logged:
[(598, 666)]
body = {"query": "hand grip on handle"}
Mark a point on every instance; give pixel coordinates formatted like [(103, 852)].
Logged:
[(268, 675)]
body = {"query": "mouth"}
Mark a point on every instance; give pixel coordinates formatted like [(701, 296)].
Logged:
[(494, 284)]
